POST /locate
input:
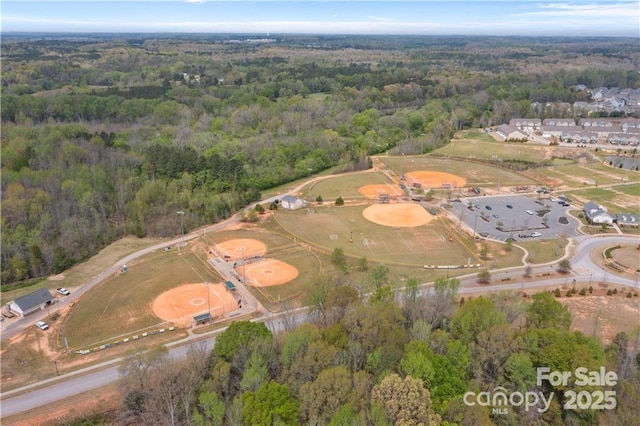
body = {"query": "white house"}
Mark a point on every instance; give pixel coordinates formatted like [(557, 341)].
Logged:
[(626, 219), (290, 202), (32, 302), (596, 213)]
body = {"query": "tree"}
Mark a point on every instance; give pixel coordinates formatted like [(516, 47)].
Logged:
[(484, 276), (405, 402), (379, 275), (546, 312), (339, 201), (484, 252), (271, 404), (339, 259), (320, 399), (564, 266), (240, 334), (319, 199), (210, 410), (363, 264)]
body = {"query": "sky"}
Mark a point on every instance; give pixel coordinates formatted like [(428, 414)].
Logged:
[(418, 17)]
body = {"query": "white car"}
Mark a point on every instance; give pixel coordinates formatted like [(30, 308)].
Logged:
[(63, 291), (530, 212), (535, 234), (42, 325)]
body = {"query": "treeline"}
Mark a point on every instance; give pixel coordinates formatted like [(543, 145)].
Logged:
[(382, 363), (94, 148)]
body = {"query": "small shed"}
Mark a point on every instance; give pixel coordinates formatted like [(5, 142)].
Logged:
[(32, 302), (290, 202)]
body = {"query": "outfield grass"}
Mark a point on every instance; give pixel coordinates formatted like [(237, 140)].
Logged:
[(332, 227), (81, 273), (122, 304), (476, 174), (588, 174), (284, 248), (345, 186)]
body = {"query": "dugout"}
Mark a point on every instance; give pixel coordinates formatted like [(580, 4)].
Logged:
[(202, 318)]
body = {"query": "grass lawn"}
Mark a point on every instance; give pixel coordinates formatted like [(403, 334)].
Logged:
[(614, 201), (479, 145), (476, 174), (333, 227), (632, 189), (122, 304), (543, 251), (345, 186), (81, 273)]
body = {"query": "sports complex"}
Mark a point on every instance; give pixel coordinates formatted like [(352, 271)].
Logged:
[(422, 216)]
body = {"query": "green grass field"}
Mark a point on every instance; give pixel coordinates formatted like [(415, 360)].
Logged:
[(615, 201), (122, 304), (82, 272), (478, 145), (576, 175), (345, 186), (476, 174), (332, 227)]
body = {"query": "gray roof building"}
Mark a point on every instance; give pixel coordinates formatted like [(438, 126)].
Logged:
[(32, 302)]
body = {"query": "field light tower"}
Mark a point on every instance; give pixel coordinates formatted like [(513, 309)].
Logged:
[(181, 214)]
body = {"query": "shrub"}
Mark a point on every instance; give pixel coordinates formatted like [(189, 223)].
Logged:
[(339, 201), (557, 293), (583, 292), (609, 293)]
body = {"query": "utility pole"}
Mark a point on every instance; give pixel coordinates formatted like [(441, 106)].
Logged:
[(181, 214)]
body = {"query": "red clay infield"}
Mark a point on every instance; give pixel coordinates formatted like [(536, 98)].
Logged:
[(435, 180), (236, 249), (374, 191), (401, 214), (268, 272), (180, 304)]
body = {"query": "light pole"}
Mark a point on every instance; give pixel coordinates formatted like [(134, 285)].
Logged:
[(244, 268), (206, 284), (474, 226), (181, 214)]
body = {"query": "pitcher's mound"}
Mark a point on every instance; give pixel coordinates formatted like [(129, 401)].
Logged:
[(180, 304), (268, 272), (435, 180), (406, 215), (241, 247)]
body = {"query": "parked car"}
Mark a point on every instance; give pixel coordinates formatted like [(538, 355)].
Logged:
[(509, 206), (535, 234), (496, 216), (530, 212), (63, 291), (42, 325), (488, 207)]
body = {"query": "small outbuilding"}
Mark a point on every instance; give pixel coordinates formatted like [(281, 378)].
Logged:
[(32, 302), (290, 202)]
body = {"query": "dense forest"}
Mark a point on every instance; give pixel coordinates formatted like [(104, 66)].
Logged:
[(421, 361), (110, 135)]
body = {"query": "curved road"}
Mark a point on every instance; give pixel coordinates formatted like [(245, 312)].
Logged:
[(64, 387)]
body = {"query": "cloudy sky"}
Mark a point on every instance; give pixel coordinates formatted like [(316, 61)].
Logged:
[(423, 17)]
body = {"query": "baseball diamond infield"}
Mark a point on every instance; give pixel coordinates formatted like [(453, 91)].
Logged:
[(435, 180), (374, 191), (241, 247), (180, 304), (267, 272), (401, 214)]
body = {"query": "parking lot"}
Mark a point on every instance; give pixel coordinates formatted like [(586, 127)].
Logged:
[(515, 216)]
